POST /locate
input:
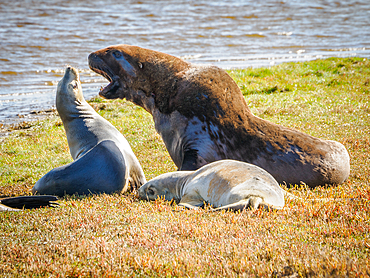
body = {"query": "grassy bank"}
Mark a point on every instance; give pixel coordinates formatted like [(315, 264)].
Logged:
[(119, 235)]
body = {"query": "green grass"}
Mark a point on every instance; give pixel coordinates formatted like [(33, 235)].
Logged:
[(119, 235)]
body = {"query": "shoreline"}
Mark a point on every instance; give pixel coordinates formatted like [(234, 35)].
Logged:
[(25, 121), (90, 85), (21, 121)]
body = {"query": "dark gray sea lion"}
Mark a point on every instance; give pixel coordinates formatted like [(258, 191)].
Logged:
[(103, 159), (224, 184), (203, 117)]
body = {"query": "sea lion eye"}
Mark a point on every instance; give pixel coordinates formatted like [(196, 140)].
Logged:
[(150, 191), (117, 54), (74, 84)]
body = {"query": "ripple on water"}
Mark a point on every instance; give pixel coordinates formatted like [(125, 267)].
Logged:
[(39, 38)]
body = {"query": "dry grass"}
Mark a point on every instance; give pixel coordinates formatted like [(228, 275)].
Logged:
[(119, 235)]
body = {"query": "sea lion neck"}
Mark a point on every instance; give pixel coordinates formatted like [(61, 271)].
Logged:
[(209, 94), (176, 182), (181, 182), (163, 75)]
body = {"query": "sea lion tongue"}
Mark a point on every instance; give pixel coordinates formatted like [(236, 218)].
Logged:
[(110, 91)]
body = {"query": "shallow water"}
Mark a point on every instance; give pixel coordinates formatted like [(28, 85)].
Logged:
[(38, 38)]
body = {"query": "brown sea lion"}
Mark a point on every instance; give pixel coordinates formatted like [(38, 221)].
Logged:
[(224, 184), (202, 116)]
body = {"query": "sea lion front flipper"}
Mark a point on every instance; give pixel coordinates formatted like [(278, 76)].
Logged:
[(252, 202), (189, 162), (191, 202), (29, 202), (190, 206)]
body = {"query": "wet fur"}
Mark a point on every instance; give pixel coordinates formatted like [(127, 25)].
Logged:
[(203, 117)]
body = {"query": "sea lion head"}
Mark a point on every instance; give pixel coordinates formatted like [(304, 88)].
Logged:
[(140, 75), (167, 185), (69, 88), (118, 67)]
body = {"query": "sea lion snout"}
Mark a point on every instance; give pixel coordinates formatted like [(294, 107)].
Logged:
[(142, 193), (69, 88), (155, 189), (98, 62), (149, 192), (71, 74)]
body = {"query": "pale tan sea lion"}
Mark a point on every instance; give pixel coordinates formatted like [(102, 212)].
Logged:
[(224, 184), (103, 159), (202, 117)]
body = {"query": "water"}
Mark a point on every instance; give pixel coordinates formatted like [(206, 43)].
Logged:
[(39, 38)]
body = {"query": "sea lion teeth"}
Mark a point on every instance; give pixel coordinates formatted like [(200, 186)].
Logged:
[(110, 89)]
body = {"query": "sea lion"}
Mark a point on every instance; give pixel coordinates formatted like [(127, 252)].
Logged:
[(103, 159), (224, 184), (202, 117)]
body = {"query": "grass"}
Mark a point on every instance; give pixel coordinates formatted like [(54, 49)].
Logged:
[(119, 235)]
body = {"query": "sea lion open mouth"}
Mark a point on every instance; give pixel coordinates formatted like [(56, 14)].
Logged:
[(97, 65), (112, 67), (110, 91)]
